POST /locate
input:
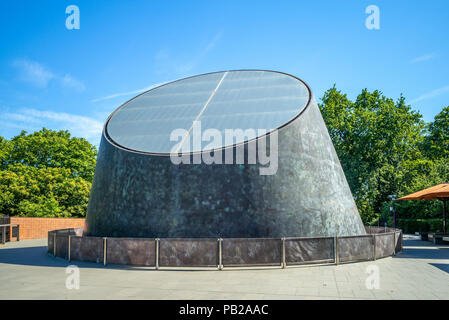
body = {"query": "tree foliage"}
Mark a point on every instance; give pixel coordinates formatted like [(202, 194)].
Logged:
[(385, 148), (45, 174), (436, 143), (53, 149)]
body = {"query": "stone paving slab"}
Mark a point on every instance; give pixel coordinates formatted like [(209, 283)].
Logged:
[(421, 271)]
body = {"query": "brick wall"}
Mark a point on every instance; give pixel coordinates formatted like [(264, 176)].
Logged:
[(37, 228)]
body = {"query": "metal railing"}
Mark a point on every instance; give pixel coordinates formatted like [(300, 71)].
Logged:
[(10, 225), (224, 253)]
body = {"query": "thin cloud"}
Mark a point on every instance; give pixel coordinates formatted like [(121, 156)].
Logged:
[(78, 126), (68, 81), (18, 117), (187, 67), (9, 124), (127, 93), (33, 72), (38, 75), (431, 94), (422, 58), (167, 62), (213, 42), (164, 57)]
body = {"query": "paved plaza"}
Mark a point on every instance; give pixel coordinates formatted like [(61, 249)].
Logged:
[(420, 271)]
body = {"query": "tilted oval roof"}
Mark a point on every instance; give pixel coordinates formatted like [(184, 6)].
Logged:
[(251, 100)]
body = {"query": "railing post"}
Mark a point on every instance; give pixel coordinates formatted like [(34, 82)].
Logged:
[(394, 243), (374, 246), (105, 243), (54, 244), (220, 254), (68, 247), (284, 264), (18, 232), (4, 235), (157, 253), (336, 250)]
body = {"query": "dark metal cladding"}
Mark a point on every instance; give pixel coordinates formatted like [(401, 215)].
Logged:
[(138, 252), (188, 252), (86, 249), (309, 249), (143, 195), (61, 246), (251, 252), (398, 240), (355, 248), (384, 245)]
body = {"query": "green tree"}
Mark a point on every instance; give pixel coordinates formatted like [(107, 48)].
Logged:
[(45, 174), (418, 175), (55, 149), (5, 149), (436, 143), (374, 137)]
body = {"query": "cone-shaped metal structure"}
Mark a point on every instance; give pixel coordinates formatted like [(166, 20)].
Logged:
[(138, 191)]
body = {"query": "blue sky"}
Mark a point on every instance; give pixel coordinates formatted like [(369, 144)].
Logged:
[(73, 79)]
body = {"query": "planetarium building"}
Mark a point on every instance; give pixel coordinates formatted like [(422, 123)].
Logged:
[(225, 168), (140, 189)]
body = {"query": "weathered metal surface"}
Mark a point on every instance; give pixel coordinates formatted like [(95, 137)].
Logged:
[(188, 252), (398, 240), (309, 250), (142, 195), (61, 245), (355, 248), (252, 252), (384, 245), (131, 251), (377, 230), (236, 252), (50, 248), (86, 249)]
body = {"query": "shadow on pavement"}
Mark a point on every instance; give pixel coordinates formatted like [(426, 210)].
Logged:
[(32, 256), (442, 266), (38, 256), (415, 248)]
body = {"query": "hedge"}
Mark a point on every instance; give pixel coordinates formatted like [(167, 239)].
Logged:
[(420, 225)]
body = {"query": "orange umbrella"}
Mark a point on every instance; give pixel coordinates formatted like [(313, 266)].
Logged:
[(440, 192)]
